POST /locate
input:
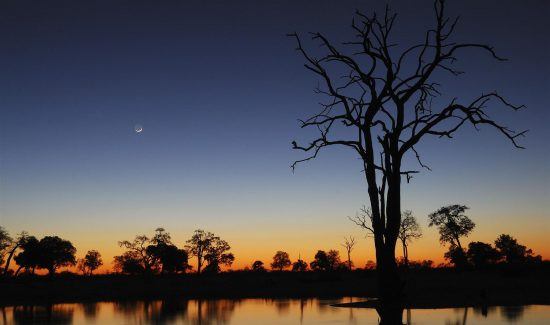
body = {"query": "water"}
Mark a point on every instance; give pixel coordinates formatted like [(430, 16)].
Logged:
[(257, 311)]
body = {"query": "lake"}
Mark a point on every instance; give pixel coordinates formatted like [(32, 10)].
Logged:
[(258, 311)]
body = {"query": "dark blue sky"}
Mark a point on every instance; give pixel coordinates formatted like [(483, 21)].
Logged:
[(218, 89)]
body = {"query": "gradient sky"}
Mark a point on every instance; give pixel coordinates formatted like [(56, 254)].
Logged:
[(218, 89)]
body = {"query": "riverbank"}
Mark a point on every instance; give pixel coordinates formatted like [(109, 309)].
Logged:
[(437, 288)]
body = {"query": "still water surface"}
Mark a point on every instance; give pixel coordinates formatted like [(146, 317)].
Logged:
[(257, 311)]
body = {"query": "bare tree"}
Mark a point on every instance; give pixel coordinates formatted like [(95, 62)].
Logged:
[(385, 102), (348, 245), (408, 231)]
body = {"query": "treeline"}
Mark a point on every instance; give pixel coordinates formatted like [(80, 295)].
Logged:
[(157, 254)]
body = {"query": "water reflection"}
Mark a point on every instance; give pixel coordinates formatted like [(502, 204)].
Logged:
[(256, 311)]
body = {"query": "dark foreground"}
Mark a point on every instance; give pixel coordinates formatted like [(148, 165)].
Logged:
[(438, 288)]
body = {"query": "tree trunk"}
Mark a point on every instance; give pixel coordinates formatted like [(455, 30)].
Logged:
[(6, 268), (17, 272)]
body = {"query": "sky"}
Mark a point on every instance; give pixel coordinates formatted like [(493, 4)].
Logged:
[(218, 88)]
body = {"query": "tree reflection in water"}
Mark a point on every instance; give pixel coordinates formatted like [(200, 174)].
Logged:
[(47, 314)]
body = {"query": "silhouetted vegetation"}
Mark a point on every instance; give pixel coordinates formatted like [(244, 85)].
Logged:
[(258, 266), (324, 261), (91, 262), (387, 111), (210, 248), (281, 261), (514, 253), (481, 255), (408, 230), (299, 266), (452, 224), (348, 244), (151, 255)]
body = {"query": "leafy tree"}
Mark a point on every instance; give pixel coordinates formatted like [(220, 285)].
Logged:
[(380, 105), (218, 254), (324, 261), (30, 255), (512, 251), (480, 255), (258, 266), (408, 230), (198, 246), (165, 255), (5, 243), (129, 262), (91, 262), (370, 265), (457, 256), (56, 253), (452, 224), (299, 266), (137, 253), (280, 261)]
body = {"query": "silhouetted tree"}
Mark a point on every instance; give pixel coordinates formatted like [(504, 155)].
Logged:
[(280, 261), (480, 255), (408, 230), (299, 266), (136, 254), (452, 224), (55, 253), (91, 262), (512, 252), (258, 266), (217, 253), (348, 244), (165, 254), (29, 257), (384, 99), (15, 244), (324, 261), (198, 245), (5, 242)]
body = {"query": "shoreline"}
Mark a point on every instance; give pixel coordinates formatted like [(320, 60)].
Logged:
[(424, 289)]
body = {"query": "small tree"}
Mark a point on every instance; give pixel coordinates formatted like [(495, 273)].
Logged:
[(280, 261), (91, 262), (217, 254), (299, 266), (348, 244), (324, 261), (408, 231), (55, 253), (258, 266)]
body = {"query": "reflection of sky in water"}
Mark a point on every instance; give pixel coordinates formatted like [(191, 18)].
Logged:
[(258, 311)]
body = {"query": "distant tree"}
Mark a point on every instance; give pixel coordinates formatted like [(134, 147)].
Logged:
[(480, 255), (5, 243), (348, 244), (324, 261), (129, 262), (217, 254), (30, 255), (280, 261), (370, 265), (299, 266), (56, 253), (137, 253), (198, 246), (91, 262), (165, 255), (15, 244), (408, 231), (258, 266), (452, 224), (513, 252)]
